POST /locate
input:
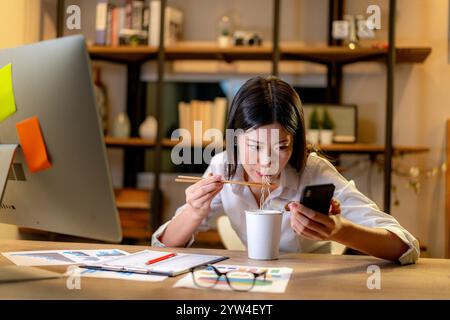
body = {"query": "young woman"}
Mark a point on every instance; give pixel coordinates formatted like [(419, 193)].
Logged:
[(261, 107)]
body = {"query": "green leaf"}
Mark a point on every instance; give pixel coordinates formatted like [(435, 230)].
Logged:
[(314, 122), (327, 122)]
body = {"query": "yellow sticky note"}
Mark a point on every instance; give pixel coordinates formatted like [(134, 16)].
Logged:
[(7, 102)]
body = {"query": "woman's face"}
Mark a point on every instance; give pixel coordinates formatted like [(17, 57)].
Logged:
[(265, 151)]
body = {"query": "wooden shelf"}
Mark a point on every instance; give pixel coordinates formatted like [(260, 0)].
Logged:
[(134, 142), (211, 51), (344, 55), (332, 148), (123, 53), (289, 51), (128, 142), (370, 148)]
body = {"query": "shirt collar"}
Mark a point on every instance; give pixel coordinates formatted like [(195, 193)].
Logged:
[(289, 181)]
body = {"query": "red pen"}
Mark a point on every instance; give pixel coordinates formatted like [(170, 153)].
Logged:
[(167, 256)]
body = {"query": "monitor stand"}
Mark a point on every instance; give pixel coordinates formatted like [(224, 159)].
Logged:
[(16, 273), (7, 152)]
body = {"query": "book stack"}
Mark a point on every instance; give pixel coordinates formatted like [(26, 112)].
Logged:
[(135, 22), (197, 117)]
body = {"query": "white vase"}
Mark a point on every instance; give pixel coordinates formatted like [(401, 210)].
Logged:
[(224, 41), (326, 136), (312, 136), (148, 128), (121, 126)]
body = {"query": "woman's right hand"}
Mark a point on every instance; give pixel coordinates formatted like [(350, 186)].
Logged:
[(200, 194)]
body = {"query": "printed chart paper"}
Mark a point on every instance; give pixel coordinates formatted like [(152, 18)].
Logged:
[(61, 257), (276, 280)]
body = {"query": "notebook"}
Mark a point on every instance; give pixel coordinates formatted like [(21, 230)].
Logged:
[(137, 263)]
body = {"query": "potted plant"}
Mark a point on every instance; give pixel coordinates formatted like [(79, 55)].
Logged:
[(224, 37), (327, 130), (314, 127)]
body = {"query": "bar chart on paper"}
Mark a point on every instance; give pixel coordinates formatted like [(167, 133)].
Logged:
[(276, 279), (61, 257)]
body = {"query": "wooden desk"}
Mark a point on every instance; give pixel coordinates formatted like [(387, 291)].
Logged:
[(315, 276)]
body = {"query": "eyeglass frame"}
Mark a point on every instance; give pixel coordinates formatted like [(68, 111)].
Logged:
[(220, 274)]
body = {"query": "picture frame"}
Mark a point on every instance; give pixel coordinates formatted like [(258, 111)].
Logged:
[(345, 117)]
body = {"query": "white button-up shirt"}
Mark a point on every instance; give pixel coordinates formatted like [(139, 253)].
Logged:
[(234, 199)]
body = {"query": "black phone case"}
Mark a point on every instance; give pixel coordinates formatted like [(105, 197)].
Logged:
[(318, 197)]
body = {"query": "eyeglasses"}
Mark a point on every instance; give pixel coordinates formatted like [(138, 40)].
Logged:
[(208, 276)]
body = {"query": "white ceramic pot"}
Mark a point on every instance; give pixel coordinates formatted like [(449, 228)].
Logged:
[(148, 128), (224, 41), (121, 126), (326, 136), (312, 136)]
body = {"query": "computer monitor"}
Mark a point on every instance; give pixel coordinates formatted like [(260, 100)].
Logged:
[(52, 80)]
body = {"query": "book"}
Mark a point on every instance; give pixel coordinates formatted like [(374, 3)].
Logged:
[(184, 116), (153, 33), (101, 22), (146, 19), (196, 134), (115, 26), (137, 14), (206, 116), (219, 113), (128, 14), (212, 115), (109, 27), (164, 263), (173, 23), (121, 23), (173, 26)]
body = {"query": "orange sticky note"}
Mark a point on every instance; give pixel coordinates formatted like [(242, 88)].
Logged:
[(33, 144)]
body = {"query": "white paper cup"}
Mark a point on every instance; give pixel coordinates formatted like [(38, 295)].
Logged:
[(263, 234)]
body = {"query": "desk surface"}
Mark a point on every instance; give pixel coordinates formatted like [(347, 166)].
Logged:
[(315, 276)]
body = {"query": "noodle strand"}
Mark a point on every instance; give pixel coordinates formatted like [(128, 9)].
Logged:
[(265, 191)]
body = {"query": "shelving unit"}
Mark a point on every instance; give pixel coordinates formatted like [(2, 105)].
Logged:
[(354, 148), (333, 56), (288, 51)]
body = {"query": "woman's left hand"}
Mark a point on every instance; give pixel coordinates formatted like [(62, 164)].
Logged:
[(314, 225)]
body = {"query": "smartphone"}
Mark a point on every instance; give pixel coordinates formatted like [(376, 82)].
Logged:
[(318, 197)]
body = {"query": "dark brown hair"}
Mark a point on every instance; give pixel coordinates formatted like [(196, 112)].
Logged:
[(263, 101)]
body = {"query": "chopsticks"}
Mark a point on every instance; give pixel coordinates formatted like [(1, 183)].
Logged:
[(190, 179)]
